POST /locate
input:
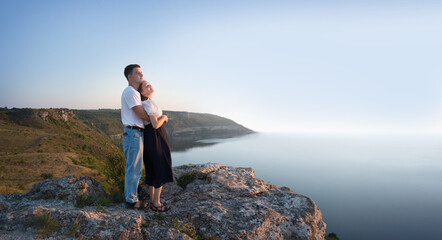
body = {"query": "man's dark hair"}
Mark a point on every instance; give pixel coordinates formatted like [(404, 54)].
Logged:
[(129, 68)]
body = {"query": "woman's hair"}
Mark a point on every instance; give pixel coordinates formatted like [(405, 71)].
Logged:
[(143, 98)]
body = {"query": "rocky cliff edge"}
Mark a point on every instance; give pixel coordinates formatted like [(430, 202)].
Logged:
[(209, 201)]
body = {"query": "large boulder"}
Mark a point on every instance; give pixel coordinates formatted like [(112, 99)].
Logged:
[(209, 201), (65, 188), (232, 203)]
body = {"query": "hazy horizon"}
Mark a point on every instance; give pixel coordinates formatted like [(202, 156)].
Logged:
[(366, 67)]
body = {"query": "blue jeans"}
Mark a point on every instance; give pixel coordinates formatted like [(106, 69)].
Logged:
[(133, 152)]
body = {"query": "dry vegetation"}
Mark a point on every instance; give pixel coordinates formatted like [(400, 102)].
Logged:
[(32, 149)]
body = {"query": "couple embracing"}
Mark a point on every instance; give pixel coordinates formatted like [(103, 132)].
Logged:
[(144, 140)]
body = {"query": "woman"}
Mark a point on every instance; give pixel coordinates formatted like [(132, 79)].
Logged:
[(156, 156)]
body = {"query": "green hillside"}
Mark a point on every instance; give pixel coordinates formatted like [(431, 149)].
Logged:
[(43, 143)]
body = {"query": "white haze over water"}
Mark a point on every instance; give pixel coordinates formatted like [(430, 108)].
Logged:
[(367, 187)]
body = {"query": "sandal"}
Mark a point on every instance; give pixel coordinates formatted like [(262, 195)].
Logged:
[(162, 203), (142, 205), (162, 208)]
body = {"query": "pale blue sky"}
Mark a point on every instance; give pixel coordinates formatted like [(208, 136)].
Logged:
[(295, 66)]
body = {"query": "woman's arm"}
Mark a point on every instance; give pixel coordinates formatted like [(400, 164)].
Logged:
[(158, 121)]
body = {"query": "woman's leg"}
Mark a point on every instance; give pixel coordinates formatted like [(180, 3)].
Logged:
[(156, 196), (157, 205), (151, 193)]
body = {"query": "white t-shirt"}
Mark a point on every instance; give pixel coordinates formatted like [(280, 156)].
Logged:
[(151, 109), (129, 99)]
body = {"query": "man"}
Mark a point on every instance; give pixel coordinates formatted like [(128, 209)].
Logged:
[(132, 116)]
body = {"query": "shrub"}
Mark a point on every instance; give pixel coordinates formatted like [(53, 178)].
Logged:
[(47, 175), (21, 186), (91, 162), (55, 121), (81, 136), (185, 179), (332, 236), (117, 196), (103, 201), (115, 169)]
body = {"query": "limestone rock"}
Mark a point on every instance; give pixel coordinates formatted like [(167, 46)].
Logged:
[(59, 114), (43, 115), (66, 188), (222, 202)]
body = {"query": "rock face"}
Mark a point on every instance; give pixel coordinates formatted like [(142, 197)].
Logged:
[(66, 188), (218, 202), (59, 114)]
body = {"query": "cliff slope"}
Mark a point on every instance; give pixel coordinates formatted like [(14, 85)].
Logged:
[(209, 201)]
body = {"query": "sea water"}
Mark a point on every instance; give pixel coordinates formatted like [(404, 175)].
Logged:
[(367, 187)]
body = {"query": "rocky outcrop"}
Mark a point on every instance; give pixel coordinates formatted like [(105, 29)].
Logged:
[(37, 118), (59, 114), (66, 188), (209, 201)]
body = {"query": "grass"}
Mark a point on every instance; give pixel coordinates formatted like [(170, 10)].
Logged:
[(184, 167), (146, 222), (100, 209), (44, 222), (158, 216), (43, 149), (92, 200), (87, 161), (188, 229), (113, 197), (75, 228)]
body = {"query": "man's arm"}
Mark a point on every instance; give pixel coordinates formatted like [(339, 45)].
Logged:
[(139, 110)]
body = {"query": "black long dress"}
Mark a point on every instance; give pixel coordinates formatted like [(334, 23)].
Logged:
[(156, 156)]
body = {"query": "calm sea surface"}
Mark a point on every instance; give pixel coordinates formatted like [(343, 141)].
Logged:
[(366, 187)]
